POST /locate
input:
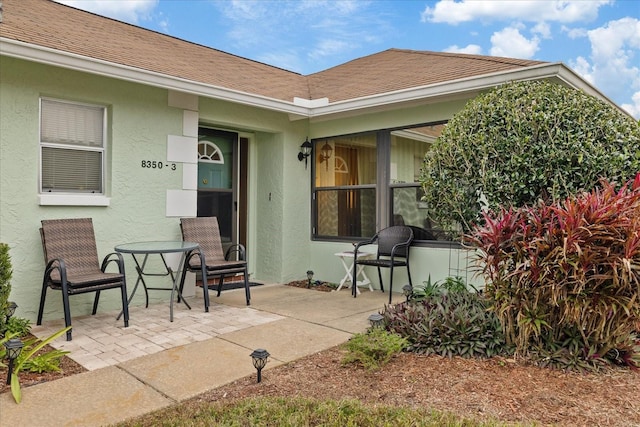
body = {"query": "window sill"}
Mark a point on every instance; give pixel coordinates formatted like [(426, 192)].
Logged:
[(73, 200)]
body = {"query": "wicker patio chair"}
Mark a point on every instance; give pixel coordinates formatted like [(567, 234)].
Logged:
[(72, 265), (393, 251), (205, 232)]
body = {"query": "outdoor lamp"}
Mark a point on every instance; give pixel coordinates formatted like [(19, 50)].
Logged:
[(325, 153), (376, 320), (259, 357), (11, 309), (14, 348), (407, 291), (309, 277), (305, 151)]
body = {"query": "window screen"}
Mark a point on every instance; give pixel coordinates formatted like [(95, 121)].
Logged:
[(72, 141)]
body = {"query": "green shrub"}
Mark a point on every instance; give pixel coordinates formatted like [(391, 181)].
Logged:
[(5, 282), (373, 349), (564, 278), (448, 324), (523, 142)]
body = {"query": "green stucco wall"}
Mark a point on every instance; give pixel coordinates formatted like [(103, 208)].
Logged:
[(140, 119)]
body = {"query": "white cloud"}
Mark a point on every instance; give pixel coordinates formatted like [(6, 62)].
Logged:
[(614, 63), (132, 11), (510, 43), (455, 12), (543, 29), (633, 109), (473, 49), (574, 33)]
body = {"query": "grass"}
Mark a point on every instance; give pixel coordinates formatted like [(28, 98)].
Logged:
[(264, 411)]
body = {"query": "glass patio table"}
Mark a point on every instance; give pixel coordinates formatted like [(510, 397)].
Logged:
[(158, 248)]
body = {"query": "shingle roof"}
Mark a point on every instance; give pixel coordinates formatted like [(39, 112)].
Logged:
[(397, 69), (52, 25)]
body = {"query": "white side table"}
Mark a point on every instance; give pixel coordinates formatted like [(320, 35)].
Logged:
[(348, 268)]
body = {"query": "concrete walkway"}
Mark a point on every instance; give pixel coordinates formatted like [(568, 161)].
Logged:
[(155, 363)]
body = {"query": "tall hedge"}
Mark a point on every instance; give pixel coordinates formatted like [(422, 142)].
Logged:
[(524, 142)]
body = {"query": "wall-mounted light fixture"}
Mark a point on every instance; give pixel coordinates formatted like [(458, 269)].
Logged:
[(305, 151), (325, 153)]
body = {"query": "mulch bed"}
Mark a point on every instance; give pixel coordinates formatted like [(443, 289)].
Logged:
[(316, 285), (68, 367)]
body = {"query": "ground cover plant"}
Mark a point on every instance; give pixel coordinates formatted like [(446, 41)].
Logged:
[(448, 319), (564, 278)]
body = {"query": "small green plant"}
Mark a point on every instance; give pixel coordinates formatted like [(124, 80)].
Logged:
[(18, 326), (374, 348), (29, 360), (430, 289)]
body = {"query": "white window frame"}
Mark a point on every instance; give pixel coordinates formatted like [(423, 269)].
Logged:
[(73, 198)]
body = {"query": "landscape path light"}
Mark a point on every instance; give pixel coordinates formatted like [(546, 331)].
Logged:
[(11, 309), (259, 357), (309, 278), (376, 320), (14, 348), (407, 291)]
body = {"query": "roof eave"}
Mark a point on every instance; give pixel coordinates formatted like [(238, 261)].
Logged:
[(30, 52), (456, 89), (315, 110)]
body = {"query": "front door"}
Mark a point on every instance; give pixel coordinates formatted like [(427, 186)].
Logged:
[(221, 166)]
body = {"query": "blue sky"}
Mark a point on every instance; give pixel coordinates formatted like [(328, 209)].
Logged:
[(599, 39)]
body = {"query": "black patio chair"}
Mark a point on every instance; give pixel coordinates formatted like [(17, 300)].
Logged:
[(393, 251), (72, 265), (205, 232)]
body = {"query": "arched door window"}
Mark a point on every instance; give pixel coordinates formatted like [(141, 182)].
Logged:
[(208, 152)]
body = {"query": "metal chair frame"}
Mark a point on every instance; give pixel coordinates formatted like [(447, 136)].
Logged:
[(72, 266), (393, 251), (209, 260)]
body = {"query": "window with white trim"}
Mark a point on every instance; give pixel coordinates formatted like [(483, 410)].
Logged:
[(72, 147)]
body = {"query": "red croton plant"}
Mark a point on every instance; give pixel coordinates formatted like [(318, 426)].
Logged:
[(564, 278)]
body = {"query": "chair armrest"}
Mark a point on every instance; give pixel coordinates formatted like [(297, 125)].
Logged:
[(194, 253), (236, 248), (401, 245), (56, 264), (113, 257), (363, 243)]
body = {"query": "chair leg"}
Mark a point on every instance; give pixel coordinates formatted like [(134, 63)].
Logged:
[(67, 311), (247, 290), (43, 296), (390, 282), (95, 303), (354, 291), (220, 282), (380, 278), (409, 275), (125, 304)]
